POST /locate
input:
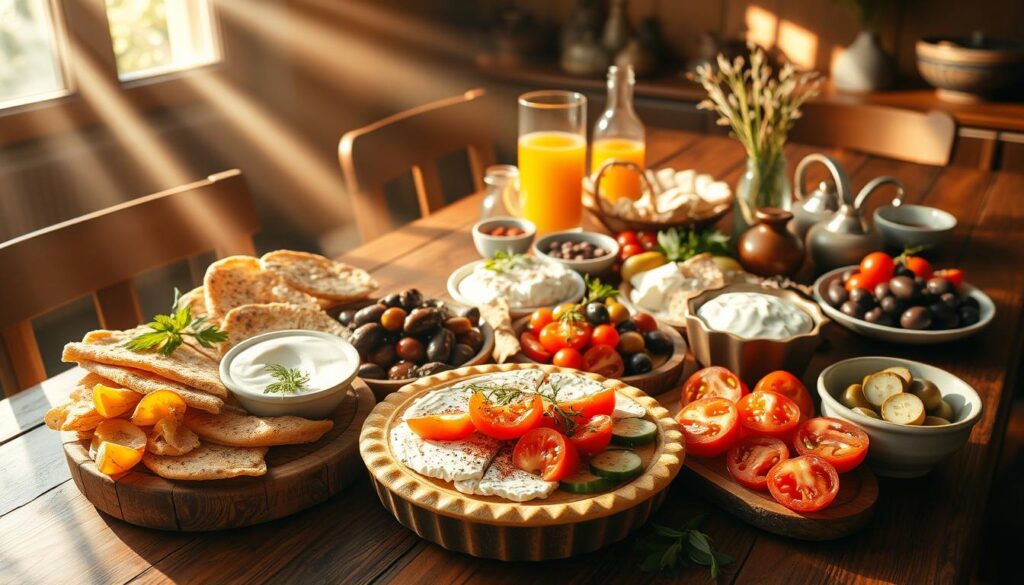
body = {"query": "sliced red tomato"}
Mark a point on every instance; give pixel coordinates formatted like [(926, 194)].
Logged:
[(505, 422), (592, 437), (540, 318), (604, 360), (568, 357), (546, 452), (842, 444), (750, 460), (782, 382), (442, 427), (955, 276), (805, 484), (595, 404), (768, 414), (712, 382), (533, 348), (709, 426)]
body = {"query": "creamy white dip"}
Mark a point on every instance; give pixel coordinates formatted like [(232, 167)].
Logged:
[(322, 361), (755, 316), (522, 282)]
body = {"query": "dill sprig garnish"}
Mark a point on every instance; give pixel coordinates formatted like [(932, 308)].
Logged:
[(289, 380), (499, 395)]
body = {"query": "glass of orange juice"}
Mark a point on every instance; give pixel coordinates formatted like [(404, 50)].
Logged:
[(552, 158)]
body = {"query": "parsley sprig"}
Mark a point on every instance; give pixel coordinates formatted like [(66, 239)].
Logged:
[(503, 261), (169, 331), (597, 291), (289, 380), (669, 548), (680, 245)]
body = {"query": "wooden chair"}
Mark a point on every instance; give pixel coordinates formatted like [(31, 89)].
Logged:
[(413, 140), (906, 135), (101, 252)]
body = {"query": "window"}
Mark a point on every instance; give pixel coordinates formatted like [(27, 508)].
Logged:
[(154, 37), (30, 63)]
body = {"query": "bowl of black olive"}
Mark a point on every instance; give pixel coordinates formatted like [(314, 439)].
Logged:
[(404, 336), (584, 252), (908, 308)]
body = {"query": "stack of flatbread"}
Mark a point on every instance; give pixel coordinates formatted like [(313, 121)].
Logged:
[(215, 438)]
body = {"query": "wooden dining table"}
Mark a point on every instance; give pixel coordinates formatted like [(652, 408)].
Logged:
[(925, 530)]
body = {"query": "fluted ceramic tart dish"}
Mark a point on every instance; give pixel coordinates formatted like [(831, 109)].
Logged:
[(558, 524)]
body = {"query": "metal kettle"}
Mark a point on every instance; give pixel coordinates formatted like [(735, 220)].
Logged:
[(845, 238), (820, 204)]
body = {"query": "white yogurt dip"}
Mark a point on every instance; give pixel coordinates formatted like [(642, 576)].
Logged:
[(317, 358), (521, 280), (755, 316)]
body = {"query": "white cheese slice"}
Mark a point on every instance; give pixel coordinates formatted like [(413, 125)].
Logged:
[(525, 380), (447, 460), (626, 407), (567, 387), (455, 399), (504, 480)]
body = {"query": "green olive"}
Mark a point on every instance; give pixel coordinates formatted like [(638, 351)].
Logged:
[(630, 342), (866, 412), (927, 392), (934, 421), (853, 397), (943, 411)]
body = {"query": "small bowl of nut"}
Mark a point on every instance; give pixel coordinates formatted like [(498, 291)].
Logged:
[(584, 252), (511, 235)]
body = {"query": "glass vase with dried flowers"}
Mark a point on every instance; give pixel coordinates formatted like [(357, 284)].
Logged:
[(759, 109)]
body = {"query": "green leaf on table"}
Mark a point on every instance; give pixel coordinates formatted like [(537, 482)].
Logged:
[(670, 548)]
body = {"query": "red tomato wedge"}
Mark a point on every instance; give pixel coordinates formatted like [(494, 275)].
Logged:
[(709, 425), (712, 382), (580, 410), (533, 348), (782, 382), (592, 437), (604, 360), (546, 452), (805, 484), (442, 427), (505, 422), (768, 414), (750, 460), (842, 444)]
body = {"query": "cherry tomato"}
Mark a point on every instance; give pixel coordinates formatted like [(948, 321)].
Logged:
[(533, 348), (842, 444), (955, 276), (508, 421), (768, 414), (857, 280), (558, 334), (715, 381), (805, 484), (630, 250), (393, 319), (540, 318), (750, 460), (442, 427), (649, 240), (644, 322), (709, 426), (876, 268), (547, 453), (627, 238), (782, 382), (919, 266), (605, 335), (592, 436), (604, 360), (568, 357)]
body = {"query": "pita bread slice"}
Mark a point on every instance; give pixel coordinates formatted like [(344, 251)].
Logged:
[(208, 462), (185, 365), (319, 276), (79, 413), (239, 430), (147, 383), (250, 320), (240, 280), (195, 299), (171, 437)]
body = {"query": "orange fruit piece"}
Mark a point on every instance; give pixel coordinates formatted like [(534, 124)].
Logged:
[(113, 459), (156, 406), (112, 402), (120, 432)]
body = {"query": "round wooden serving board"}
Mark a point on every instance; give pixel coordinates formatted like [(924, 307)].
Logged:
[(559, 526), (298, 476)]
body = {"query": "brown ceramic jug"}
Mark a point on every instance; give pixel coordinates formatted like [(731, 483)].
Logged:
[(768, 248)]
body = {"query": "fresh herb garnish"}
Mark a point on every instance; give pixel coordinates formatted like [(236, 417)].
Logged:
[(289, 380), (679, 245), (669, 548), (508, 395), (597, 291), (503, 261), (169, 331)]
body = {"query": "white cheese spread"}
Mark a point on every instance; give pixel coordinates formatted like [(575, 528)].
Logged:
[(504, 480), (626, 407), (522, 281), (446, 460), (755, 316)]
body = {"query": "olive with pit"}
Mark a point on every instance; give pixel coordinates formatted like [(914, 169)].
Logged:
[(862, 297), (393, 319), (384, 356), (392, 300), (471, 313), (852, 309), (410, 299), (411, 349), (369, 314), (928, 392), (421, 321), (943, 317), (630, 342), (879, 317), (891, 305), (916, 318), (371, 371), (881, 290), (367, 338), (837, 293), (401, 371), (597, 313), (473, 338), (458, 325), (657, 342), (431, 368), (440, 346), (345, 317), (938, 286), (902, 287), (969, 315), (461, 354), (639, 363)]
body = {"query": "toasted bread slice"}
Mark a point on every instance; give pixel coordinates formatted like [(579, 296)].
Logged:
[(147, 383), (238, 430), (240, 280), (251, 320), (319, 276), (208, 462)]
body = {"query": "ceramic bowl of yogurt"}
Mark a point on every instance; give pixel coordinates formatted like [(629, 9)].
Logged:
[(293, 372), (754, 330)]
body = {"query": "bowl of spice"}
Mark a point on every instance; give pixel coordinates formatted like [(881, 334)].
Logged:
[(511, 235)]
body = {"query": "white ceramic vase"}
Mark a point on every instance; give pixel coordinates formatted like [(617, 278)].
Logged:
[(863, 66)]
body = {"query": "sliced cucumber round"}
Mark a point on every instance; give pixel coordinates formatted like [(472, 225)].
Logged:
[(616, 464), (586, 483), (633, 432)]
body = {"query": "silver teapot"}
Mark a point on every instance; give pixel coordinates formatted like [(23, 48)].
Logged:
[(845, 238), (820, 204)]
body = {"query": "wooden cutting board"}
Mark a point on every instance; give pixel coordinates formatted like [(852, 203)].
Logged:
[(298, 476)]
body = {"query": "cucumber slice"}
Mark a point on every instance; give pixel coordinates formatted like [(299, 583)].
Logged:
[(633, 432), (586, 483), (616, 464)]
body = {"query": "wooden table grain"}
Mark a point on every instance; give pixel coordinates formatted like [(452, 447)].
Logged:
[(925, 530)]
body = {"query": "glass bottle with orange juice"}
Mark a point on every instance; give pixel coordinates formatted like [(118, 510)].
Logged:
[(619, 135)]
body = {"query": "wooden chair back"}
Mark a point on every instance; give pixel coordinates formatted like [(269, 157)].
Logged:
[(100, 253), (413, 140), (905, 135)]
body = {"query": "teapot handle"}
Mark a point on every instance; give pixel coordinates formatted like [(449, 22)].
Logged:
[(842, 184), (874, 184)]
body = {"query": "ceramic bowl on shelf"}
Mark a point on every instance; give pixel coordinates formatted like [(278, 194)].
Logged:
[(970, 69), (596, 265), (913, 226), (487, 245), (901, 450)]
